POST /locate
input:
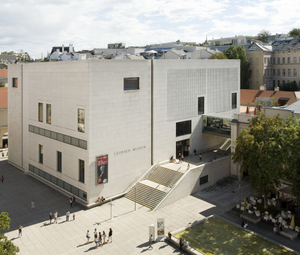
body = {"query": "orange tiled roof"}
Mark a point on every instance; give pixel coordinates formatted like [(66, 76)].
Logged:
[(3, 73), (3, 97), (249, 95)]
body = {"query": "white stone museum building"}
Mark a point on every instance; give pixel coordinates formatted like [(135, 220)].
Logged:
[(91, 128)]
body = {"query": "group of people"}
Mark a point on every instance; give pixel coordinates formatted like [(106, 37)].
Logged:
[(100, 200), (244, 224), (183, 244), (72, 201), (99, 238)]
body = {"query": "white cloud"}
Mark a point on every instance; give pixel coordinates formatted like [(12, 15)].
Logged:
[(37, 25)]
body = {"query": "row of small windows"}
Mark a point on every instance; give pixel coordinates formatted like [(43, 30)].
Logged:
[(59, 162), (80, 113), (58, 182), (290, 73), (282, 82), (286, 60), (59, 137)]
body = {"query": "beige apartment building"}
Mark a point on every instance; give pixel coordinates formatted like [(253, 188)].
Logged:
[(3, 117)]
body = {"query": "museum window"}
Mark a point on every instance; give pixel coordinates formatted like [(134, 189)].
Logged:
[(295, 60), (289, 60), (289, 73), (283, 60), (203, 180), (233, 100), (15, 82), (278, 72), (40, 112), (295, 73), (48, 113), (132, 83), (283, 72), (183, 128), (41, 154), (59, 161), (278, 83), (200, 105), (278, 60), (274, 72), (274, 61), (81, 170), (81, 120)]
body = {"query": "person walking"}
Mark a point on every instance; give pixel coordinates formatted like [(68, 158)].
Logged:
[(2, 178), (88, 236), (104, 237), (200, 157), (188, 167), (67, 216), (50, 217), (55, 217), (100, 239), (20, 230), (150, 242), (110, 233), (95, 234), (71, 202), (32, 205), (180, 243), (169, 237)]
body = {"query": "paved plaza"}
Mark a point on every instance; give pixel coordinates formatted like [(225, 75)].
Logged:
[(130, 226)]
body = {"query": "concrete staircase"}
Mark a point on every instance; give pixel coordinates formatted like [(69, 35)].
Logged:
[(154, 186), (225, 146)]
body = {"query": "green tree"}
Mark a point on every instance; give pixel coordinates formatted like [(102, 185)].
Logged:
[(295, 32), (259, 151), (290, 86), (2, 84), (239, 52), (291, 161), (219, 55), (263, 35), (6, 246)]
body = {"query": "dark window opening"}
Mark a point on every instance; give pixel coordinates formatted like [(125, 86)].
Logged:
[(81, 170), (233, 100), (59, 161), (15, 82), (41, 160), (203, 179), (183, 128), (131, 83), (200, 105)]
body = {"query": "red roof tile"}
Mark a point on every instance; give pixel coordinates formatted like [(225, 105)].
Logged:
[(3, 97), (249, 95)]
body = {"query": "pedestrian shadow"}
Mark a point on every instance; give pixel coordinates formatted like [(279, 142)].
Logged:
[(46, 224), (14, 238), (163, 246), (91, 248), (80, 245), (146, 244)]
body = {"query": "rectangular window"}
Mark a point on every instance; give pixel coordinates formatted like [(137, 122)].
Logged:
[(183, 128), (15, 82), (200, 105), (273, 60), (295, 60), (132, 83), (289, 60), (59, 161), (283, 60), (48, 113), (203, 180), (273, 72), (283, 82), (278, 60), (40, 113), (278, 72), (233, 100), (283, 72), (81, 120), (265, 60), (278, 83), (289, 73), (41, 160), (295, 73), (81, 170)]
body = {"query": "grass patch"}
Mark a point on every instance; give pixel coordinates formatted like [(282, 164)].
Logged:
[(216, 236)]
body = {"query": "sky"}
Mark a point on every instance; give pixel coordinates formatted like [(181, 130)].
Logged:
[(35, 26)]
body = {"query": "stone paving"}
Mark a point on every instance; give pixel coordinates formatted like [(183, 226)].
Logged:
[(130, 226)]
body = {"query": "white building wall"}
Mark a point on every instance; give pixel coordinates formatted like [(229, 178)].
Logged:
[(177, 86), (120, 123)]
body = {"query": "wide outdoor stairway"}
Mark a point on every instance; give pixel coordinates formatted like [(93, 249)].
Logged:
[(224, 146), (155, 185)]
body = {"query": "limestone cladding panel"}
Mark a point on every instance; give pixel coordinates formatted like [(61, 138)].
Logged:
[(182, 92), (65, 86), (15, 115), (120, 123)]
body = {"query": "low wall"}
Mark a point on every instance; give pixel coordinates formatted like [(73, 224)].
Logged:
[(190, 183)]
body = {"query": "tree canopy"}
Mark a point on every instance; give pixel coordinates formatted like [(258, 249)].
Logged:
[(263, 35), (259, 151), (295, 32), (6, 246), (219, 55), (2, 84), (239, 52), (290, 86)]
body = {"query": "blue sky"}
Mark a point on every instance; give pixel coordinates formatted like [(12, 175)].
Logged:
[(37, 25)]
